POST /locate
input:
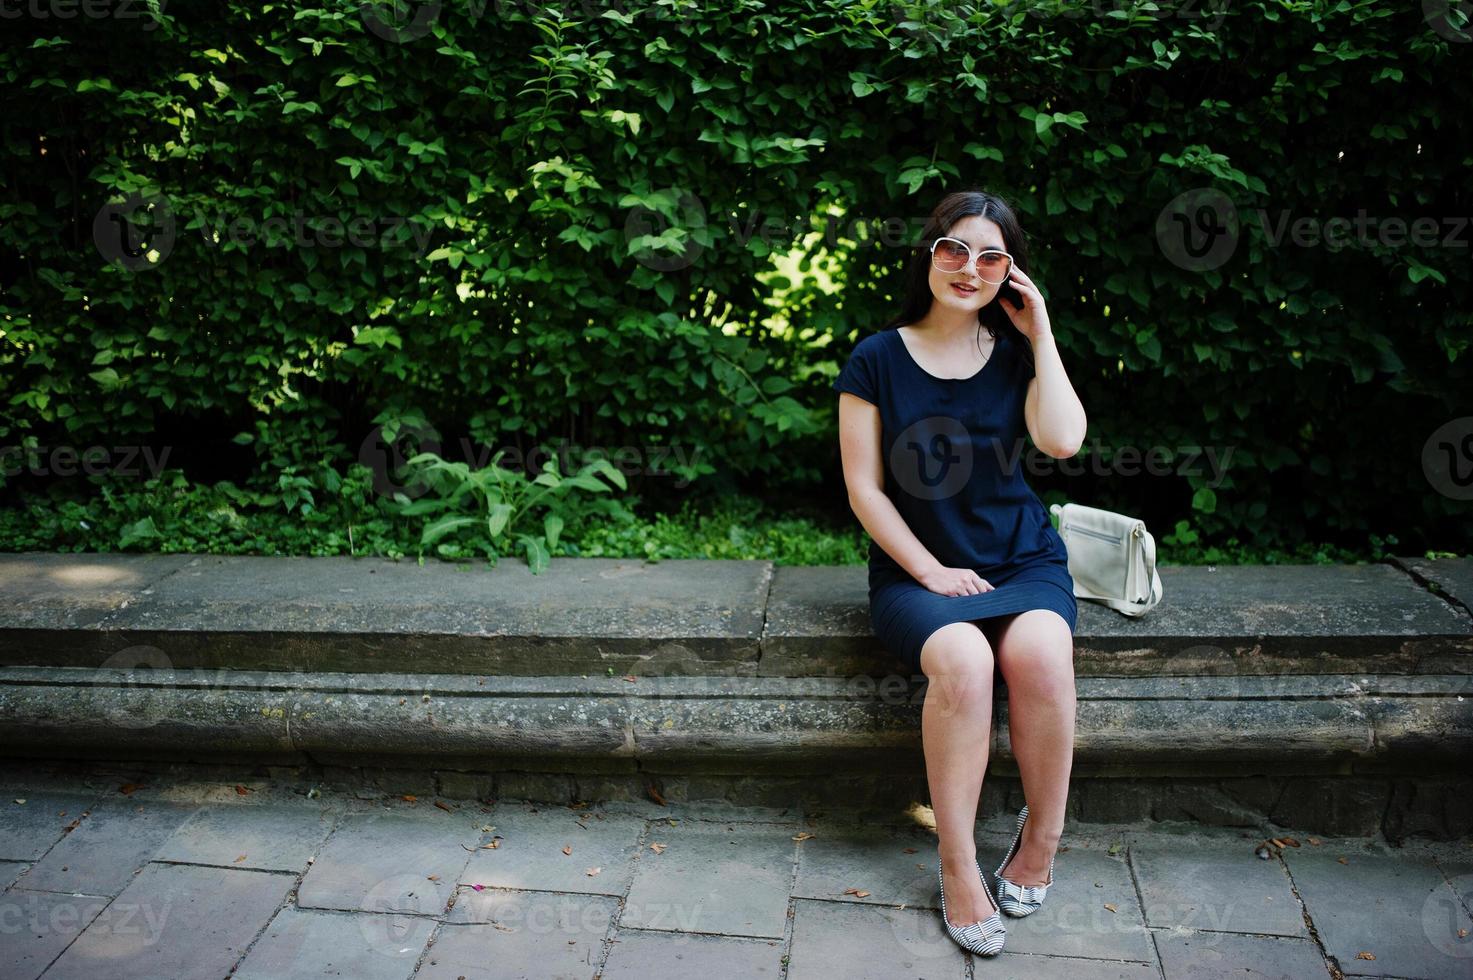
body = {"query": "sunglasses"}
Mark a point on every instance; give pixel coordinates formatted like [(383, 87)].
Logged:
[(952, 255)]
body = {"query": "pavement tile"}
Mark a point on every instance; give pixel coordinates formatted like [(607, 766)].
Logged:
[(100, 856), (269, 837), (177, 922), (841, 857), (496, 935), (856, 942), (10, 872), (730, 879), (530, 853), (1074, 919), (391, 861), (37, 926), (1217, 885), (304, 944), (29, 829), (1188, 955), (1008, 965), (639, 955), (1398, 908)]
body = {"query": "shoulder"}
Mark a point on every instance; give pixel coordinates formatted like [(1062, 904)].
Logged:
[(871, 345)]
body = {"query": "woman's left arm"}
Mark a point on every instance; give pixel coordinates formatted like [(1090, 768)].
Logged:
[(1054, 414)]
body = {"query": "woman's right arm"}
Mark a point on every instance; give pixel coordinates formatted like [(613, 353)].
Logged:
[(864, 475)]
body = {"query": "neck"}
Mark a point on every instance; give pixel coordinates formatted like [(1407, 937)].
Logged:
[(949, 327)]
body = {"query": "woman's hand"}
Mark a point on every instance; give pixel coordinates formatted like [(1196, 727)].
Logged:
[(955, 581), (1032, 320)]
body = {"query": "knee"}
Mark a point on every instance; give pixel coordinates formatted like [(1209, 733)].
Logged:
[(958, 663)]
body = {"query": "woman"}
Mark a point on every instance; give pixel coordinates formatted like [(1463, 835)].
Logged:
[(965, 567)]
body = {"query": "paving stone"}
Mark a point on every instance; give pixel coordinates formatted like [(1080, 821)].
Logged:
[(383, 862), (1008, 965), (1398, 908), (840, 857), (270, 837), (730, 879), (1074, 920), (29, 829), (309, 943), (116, 839), (177, 922), (10, 872), (831, 939), (1189, 955), (639, 955), (37, 926), (497, 935), (1216, 885), (530, 853)]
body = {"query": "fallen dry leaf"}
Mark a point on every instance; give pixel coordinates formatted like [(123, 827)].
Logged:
[(21, 802), (568, 849), (1314, 842), (409, 798), (655, 795), (240, 859), (856, 892), (1342, 860), (241, 791), (432, 877), (803, 835), (1364, 955), (1109, 906), (659, 848), (444, 806), (910, 850), (127, 789), (630, 678), (591, 872), (1291, 842), (578, 806), (477, 887), (1462, 933), (493, 845)]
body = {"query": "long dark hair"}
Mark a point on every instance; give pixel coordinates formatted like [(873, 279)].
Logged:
[(951, 209)]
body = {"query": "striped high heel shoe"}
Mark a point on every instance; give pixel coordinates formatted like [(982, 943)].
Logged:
[(1020, 900), (984, 938)]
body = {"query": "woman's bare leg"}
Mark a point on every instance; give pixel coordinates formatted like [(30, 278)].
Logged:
[(1035, 653), (956, 721)]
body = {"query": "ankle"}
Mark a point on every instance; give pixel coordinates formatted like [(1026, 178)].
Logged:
[(959, 855)]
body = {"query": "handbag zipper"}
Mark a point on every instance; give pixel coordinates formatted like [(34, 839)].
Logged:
[(1076, 529)]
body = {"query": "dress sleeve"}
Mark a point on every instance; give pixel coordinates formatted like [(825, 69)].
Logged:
[(858, 376)]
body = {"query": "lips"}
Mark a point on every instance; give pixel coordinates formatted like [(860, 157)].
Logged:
[(963, 290)]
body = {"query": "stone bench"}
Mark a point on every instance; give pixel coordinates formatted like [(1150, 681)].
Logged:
[(1337, 688)]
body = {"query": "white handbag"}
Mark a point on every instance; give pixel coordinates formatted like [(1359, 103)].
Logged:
[(1112, 558)]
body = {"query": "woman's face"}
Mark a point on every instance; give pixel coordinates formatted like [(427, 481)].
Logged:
[(979, 233)]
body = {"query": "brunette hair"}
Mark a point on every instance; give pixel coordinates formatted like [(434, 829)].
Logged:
[(951, 209)]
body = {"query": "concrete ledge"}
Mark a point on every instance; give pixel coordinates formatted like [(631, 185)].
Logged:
[(687, 617), (602, 670), (1330, 723)]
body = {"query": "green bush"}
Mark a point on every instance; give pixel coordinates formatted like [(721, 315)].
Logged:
[(536, 226)]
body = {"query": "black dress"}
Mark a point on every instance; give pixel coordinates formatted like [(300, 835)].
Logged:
[(953, 450)]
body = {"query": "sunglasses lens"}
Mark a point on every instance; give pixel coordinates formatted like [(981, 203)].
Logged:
[(949, 256), (993, 267)]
